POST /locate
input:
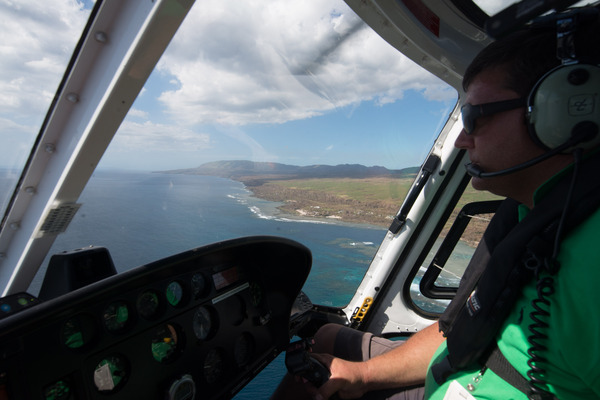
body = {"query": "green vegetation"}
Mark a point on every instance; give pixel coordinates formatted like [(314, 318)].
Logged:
[(364, 190), (369, 200), (471, 195), (346, 192)]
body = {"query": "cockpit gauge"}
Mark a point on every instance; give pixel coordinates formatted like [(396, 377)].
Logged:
[(214, 366), (174, 293), (165, 343), (77, 332), (148, 304), (243, 349), (200, 285), (111, 373), (256, 292), (182, 389), (236, 306), (205, 323), (59, 390), (116, 316)]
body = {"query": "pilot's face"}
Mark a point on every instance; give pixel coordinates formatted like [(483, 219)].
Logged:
[(499, 141)]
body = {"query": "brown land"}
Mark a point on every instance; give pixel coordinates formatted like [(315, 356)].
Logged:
[(316, 203), (372, 201)]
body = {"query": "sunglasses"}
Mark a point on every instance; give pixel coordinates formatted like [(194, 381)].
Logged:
[(471, 112)]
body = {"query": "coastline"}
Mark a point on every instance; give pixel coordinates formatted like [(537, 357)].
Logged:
[(273, 209), (320, 206), (325, 207), (370, 202)]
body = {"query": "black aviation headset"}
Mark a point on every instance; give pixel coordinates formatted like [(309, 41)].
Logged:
[(563, 108)]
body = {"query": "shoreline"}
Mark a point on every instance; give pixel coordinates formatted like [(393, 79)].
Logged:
[(321, 207), (305, 204), (280, 212), (344, 205)]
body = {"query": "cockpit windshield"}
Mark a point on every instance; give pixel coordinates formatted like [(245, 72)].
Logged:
[(247, 107), (37, 43)]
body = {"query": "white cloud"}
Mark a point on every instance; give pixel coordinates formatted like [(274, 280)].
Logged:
[(15, 139), (257, 151), (35, 45), (151, 136), (137, 113), (230, 64), (256, 63)]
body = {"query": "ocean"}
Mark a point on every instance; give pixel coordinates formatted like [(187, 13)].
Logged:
[(141, 217)]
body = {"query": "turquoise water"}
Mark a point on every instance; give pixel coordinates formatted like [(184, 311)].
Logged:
[(142, 217)]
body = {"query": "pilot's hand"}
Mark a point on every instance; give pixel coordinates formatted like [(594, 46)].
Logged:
[(346, 380)]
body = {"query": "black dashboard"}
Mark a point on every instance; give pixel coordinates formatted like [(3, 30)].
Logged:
[(200, 324)]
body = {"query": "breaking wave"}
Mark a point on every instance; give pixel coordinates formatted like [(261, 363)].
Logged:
[(257, 211)]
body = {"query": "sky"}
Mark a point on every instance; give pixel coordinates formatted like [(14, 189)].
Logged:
[(296, 82)]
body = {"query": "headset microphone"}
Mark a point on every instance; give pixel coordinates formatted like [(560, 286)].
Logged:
[(582, 132), (477, 172)]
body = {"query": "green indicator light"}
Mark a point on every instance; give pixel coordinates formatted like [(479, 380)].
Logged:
[(74, 341), (57, 391), (110, 373), (174, 293), (122, 314), (116, 316), (164, 343)]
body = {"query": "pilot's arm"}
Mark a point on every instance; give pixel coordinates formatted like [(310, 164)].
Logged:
[(405, 365)]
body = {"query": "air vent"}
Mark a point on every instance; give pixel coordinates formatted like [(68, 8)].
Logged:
[(59, 218)]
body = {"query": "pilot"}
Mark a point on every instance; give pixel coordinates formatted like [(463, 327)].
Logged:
[(525, 321)]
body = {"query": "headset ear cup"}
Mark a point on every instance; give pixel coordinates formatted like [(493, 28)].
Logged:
[(564, 98)]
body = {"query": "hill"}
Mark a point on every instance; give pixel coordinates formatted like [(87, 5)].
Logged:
[(256, 173), (347, 192)]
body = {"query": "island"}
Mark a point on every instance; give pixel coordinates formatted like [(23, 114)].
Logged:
[(347, 192), (350, 193)]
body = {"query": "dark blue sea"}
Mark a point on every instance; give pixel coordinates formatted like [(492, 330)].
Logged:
[(141, 217)]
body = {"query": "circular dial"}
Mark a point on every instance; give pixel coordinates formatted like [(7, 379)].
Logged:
[(257, 293), (243, 349), (174, 293), (182, 389), (110, 373), (59, 390), (199, 285), (237, 306), (204, 323), (165, 343), (77, 332), (213, 366), (148, 304), (116, 316)]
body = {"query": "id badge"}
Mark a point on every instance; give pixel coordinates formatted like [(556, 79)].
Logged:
[(457, 392)]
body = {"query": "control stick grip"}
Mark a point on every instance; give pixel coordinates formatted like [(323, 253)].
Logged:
[(299, 362)]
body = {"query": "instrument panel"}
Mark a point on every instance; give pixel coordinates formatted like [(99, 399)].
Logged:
[(200, 324)]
